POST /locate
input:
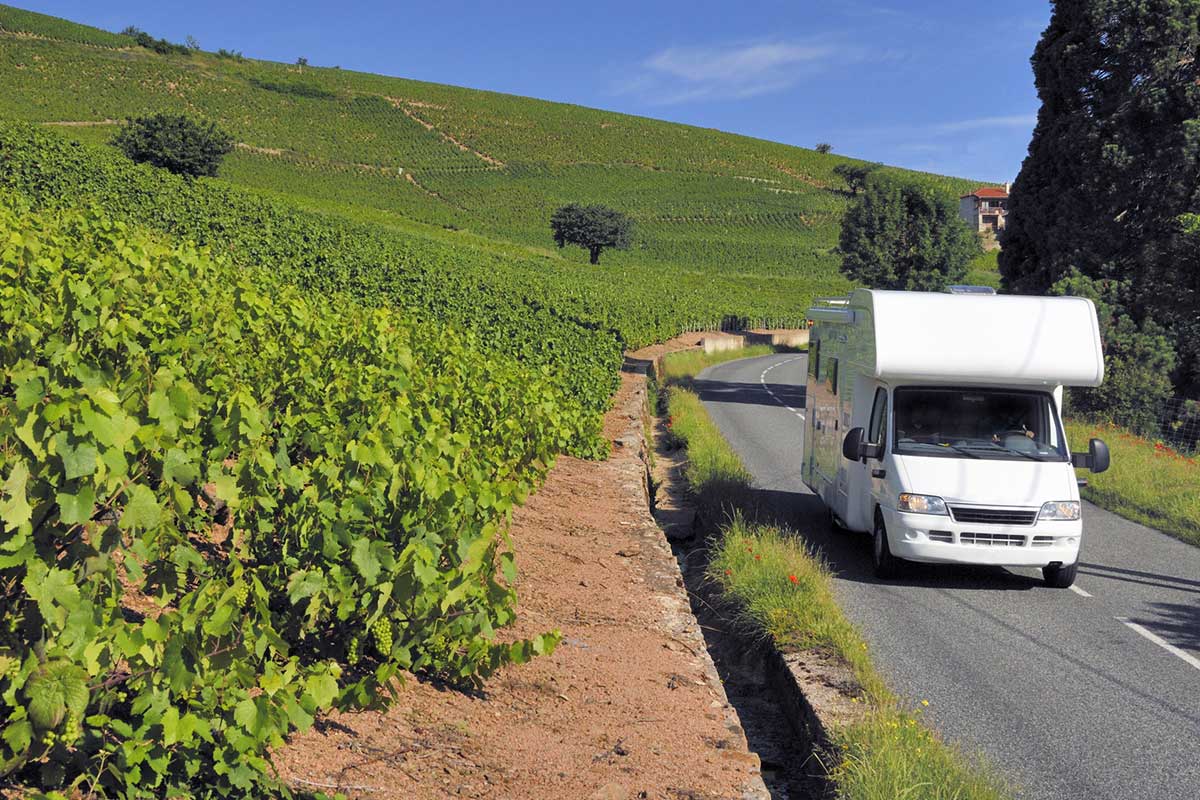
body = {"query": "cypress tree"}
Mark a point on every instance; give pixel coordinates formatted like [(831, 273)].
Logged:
[(1114, 165)]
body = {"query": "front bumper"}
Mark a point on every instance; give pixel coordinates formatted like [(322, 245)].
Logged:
[(936, 539)]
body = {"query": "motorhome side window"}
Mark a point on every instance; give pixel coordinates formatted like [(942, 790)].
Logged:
[(814, 360), (833, 376), (877, 434), (977, 423)]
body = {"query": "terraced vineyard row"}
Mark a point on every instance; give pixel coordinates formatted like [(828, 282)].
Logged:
[(228, 505)]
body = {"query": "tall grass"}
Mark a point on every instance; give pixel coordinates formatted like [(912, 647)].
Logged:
[(689, 363), (1147, 482), (782, 590)]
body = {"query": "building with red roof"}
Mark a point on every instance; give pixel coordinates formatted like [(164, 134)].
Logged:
[(985, 209)]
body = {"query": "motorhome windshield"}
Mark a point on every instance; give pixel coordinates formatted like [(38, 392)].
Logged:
[(977, 423)]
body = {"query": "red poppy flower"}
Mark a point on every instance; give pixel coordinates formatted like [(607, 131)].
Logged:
[(793, 579)]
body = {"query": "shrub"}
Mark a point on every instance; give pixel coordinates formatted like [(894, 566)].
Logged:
[(904, 235), (855, 175), (175, 142), (1138, 359), (160, 46)]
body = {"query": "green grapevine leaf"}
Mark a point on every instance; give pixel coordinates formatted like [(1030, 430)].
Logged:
[(15, 509), (55, 689), (78, 462), (76, 509), (364, 559), (141, 508), (323, 688)]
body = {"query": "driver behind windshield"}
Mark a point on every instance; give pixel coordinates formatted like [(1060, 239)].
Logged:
[(980, 423), (924, 423)]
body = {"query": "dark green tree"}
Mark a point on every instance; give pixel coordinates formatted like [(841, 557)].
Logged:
[(1114, 165), (160, 46), (594, 228), (905, 235), (175, 142), (1138, 358), (855, 175), (824, 147)]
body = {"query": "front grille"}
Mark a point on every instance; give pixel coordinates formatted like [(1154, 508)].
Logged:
[(1043, 541), (993, 516), (942, 536), (992, 539)]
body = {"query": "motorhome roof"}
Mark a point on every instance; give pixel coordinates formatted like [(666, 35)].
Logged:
[(976, 338)]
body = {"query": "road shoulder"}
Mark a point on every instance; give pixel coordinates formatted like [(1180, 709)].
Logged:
[(629, 703)]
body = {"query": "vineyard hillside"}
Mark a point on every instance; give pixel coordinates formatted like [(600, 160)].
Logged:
[(742, 225)]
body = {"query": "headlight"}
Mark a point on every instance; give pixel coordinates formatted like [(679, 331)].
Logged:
[(920, 504), (1060, 510)]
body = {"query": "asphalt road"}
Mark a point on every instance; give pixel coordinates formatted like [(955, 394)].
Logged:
[(1085, 694)]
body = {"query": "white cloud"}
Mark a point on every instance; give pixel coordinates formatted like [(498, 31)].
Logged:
[(731, 71), (735, 65), (985, 123)]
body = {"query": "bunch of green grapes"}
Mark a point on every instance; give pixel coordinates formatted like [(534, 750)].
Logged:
[(382, 631)]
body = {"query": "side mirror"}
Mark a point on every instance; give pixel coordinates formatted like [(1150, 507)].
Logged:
[(1096, 458), (1098, 451), (853, 443), (856, 449)]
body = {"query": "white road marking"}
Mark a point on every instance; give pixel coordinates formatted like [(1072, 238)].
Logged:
[(1164, 644), (1078, 591), (763, 380)]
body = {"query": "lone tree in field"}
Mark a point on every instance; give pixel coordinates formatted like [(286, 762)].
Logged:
[(175, 142), (824, 147), (1108, 191), (855, 175), (594, 228), (905, 235)]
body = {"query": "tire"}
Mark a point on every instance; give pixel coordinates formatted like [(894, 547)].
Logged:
[(886, 565), (1061, 577)]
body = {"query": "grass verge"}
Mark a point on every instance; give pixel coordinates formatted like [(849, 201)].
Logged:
[(783, 591), (686, 364), (1147, 482)]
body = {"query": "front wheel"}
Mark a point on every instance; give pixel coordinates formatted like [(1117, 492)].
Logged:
[(1060, 577), (886, 565)]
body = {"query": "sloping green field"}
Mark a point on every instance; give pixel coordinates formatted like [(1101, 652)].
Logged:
[(726, 224)]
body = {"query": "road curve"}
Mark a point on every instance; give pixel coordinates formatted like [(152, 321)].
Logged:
[(1086, 694)]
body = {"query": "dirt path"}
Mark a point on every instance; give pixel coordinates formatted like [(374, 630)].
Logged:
[(406, 108), (71, 123), (629, 706)]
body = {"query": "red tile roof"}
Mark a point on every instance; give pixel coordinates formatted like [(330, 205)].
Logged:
[(987, 191)]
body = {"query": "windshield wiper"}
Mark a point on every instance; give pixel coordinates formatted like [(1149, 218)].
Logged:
[(996, 446), (939, 446)]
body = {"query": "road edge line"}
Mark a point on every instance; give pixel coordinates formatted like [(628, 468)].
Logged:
[(1161, 642)]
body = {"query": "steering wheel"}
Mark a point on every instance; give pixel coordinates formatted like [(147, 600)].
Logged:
[(1022, 441)]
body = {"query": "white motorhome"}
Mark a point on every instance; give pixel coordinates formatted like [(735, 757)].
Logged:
[(934, 422)]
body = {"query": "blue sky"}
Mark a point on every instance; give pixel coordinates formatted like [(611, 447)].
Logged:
[(940, 86)]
